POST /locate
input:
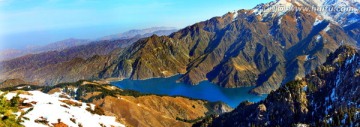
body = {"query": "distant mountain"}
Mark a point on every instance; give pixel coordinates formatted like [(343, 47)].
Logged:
[(60, 45), (56, 66), (72, 42), (328, 96), (56, 46), (257, 47), (160, 31)]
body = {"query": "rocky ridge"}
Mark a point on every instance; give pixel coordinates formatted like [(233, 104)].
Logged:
[(328, 96)]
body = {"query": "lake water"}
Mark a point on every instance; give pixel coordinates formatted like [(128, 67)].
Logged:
[(205, 90)]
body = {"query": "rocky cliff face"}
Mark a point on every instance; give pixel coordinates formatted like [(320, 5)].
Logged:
[(257, 47), (328, 96)]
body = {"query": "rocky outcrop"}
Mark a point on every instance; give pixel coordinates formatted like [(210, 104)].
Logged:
[(150, 57), (13, 83), (328, 96)]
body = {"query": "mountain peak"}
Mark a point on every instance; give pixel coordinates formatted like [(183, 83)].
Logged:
[(342, 54), (343, 12)]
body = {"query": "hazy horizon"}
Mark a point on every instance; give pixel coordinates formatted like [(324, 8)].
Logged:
[(27, 23)]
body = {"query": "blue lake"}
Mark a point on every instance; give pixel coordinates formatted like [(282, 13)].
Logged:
[(205, 90)]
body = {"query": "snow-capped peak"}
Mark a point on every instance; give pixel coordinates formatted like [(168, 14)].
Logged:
[(235, 14), (275, 8), (343, 12), (284, 2)]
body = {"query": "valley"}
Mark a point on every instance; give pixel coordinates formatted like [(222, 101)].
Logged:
[(204, 91), (261, 66)]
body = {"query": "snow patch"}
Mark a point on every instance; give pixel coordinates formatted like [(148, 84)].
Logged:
[(307, 57), (317, 22), (333, 95), (276, 8), (349, 61), (305, 88), (51, 108), (338, 78), (279, 22), (343, 120), (318, 37), (327, 28), (235, 14), (318, 2)]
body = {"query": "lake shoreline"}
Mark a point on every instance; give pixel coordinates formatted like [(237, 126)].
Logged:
[(204, 90)]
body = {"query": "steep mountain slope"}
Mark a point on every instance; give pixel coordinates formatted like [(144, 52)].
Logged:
[(328, 96), (353, 30), (151, 57), (257, 47)]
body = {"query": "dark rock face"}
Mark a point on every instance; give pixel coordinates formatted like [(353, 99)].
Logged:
[(353, 30), (328, 96)]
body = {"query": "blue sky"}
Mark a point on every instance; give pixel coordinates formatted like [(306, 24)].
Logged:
[(38, 22)]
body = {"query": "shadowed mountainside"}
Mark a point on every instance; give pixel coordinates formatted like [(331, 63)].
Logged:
[(328, 96)]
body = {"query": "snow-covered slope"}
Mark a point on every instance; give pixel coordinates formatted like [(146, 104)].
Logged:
[(342, 12), (346, 13), (47, 110)]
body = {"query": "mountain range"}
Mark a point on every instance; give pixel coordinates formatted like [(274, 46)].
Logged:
[(306, 61), (8, 54), (160, 31), (259, 47), (73, 42)]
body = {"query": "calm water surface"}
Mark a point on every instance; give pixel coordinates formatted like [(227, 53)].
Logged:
[(205, 90)]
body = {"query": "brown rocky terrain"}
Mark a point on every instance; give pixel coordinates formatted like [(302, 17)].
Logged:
[(13, 83)]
